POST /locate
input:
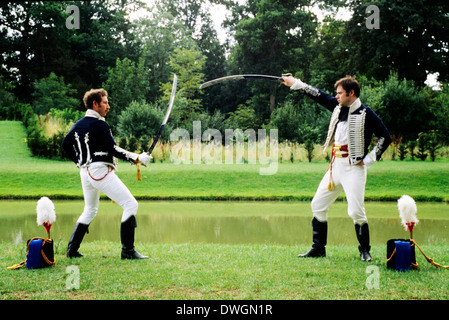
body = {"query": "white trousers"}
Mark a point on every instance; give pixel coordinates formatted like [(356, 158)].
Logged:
[(348, 178), (101, 178)]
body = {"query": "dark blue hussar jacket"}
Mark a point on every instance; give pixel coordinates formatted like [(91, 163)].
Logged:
[(90, 140)]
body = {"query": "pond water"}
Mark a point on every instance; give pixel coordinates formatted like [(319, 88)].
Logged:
[(283, 223)]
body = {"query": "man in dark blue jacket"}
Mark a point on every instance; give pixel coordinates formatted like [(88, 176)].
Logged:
[(351, 130), (90, 145)]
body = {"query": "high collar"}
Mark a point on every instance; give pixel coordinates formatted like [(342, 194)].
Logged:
[(94, 114), (354, 106)]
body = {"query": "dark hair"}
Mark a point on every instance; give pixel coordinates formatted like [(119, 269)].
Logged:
[(349, 83), (93, 95)]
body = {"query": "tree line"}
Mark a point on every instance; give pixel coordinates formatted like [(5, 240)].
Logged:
[(46, 66)]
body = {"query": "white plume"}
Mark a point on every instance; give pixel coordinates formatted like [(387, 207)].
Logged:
[(407, 212), (45, 211)]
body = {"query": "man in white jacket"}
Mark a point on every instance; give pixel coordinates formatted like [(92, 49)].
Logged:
[(351, 130), (90, 145)]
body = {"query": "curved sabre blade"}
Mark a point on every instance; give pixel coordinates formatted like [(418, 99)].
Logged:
[(167, 114), (239, 76), (172, 99)]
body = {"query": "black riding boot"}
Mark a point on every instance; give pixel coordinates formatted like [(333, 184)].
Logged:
[(127, 236), (75, 240), (319, 240), (363, 237)]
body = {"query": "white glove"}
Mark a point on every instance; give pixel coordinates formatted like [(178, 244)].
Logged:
[(144, 158)]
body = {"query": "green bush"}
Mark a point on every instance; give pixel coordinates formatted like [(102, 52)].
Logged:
[(243, 118), (142, 119), (8, 101), (301, 121), (403, 108), (37, 142), (67, 114), (287, 120), (52, 93)]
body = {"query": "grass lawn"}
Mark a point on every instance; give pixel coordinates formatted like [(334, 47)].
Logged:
[(211, 271)]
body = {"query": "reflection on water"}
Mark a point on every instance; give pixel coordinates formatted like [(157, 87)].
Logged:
[(216, 222)]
